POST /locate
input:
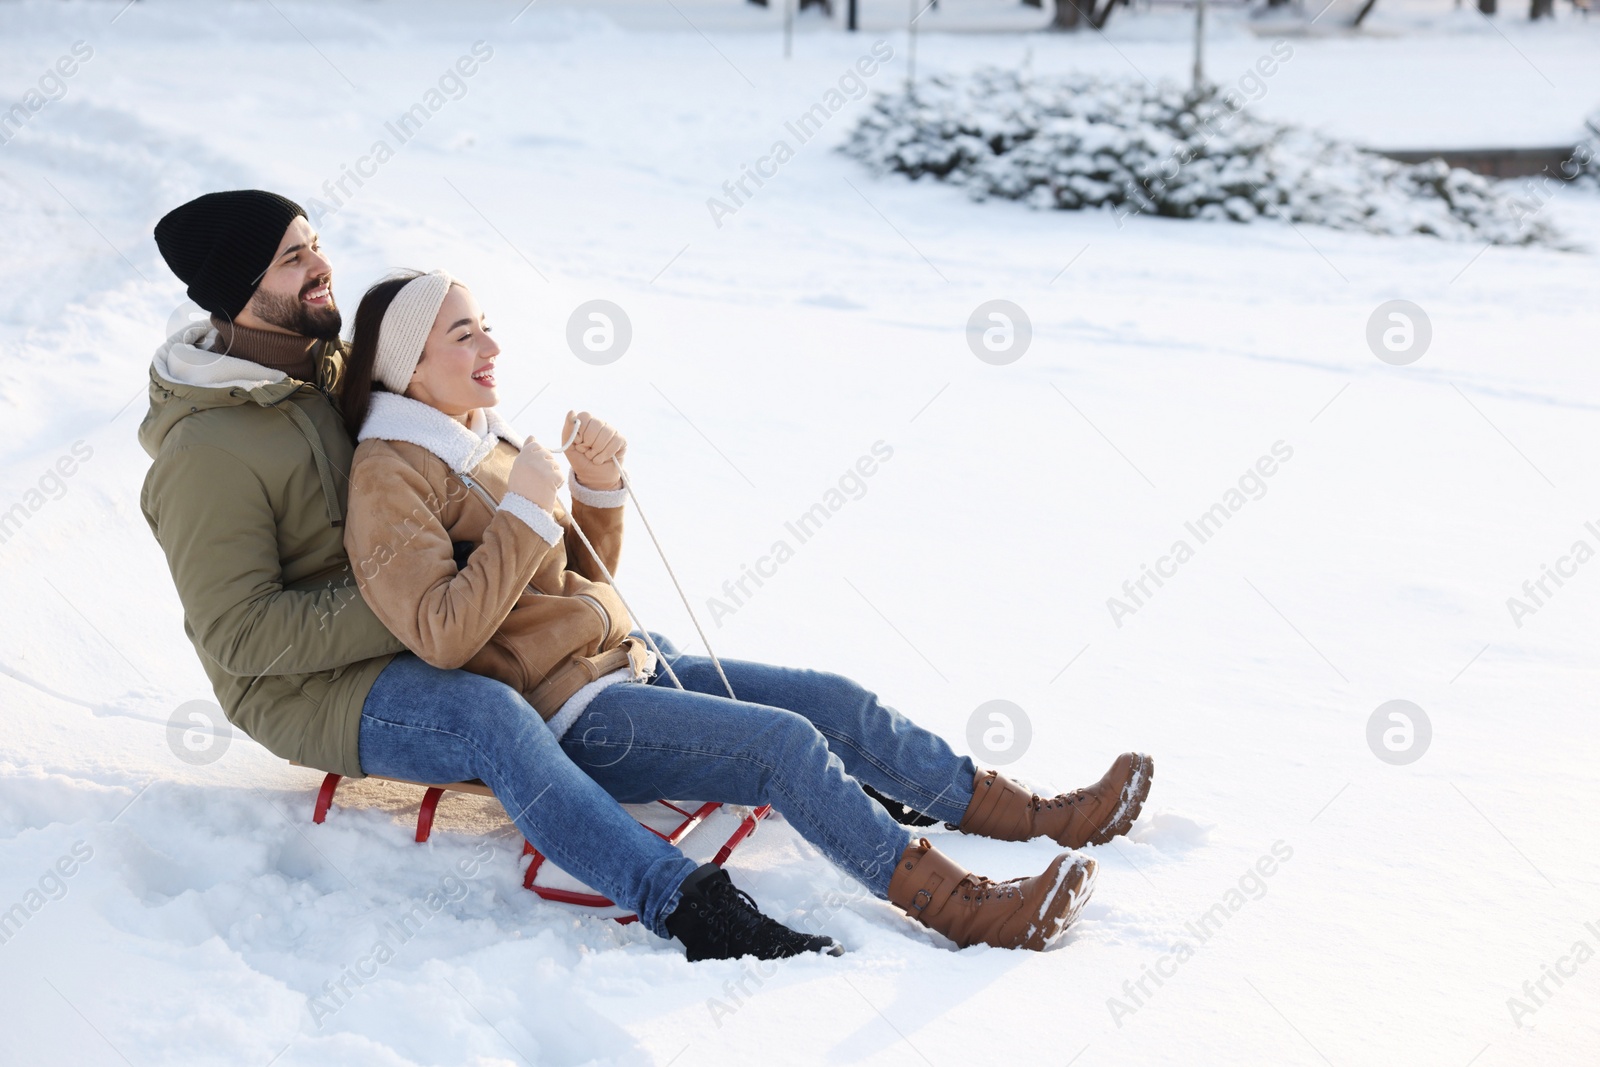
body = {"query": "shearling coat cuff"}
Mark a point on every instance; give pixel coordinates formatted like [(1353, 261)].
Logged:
[(597, 498), (539, 520)]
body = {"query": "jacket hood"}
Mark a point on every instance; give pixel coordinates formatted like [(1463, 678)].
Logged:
[(186, 377)]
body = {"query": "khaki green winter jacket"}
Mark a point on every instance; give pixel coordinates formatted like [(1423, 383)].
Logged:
[(247, 497)]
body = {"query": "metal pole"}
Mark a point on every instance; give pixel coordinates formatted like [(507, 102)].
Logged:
[(851, 21), (788, 28), (1199, 45), (911, 51)]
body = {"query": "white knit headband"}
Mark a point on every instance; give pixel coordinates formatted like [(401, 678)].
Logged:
[(405, 328)]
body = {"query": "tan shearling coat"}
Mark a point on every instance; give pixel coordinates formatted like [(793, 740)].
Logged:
[(528, 606)]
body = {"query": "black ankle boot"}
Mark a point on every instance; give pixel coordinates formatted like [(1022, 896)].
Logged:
[(716, 921)]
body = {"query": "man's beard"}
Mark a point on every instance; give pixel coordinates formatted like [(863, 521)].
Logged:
[(291, 313)]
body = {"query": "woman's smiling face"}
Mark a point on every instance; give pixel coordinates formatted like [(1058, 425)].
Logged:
[(456, 372)]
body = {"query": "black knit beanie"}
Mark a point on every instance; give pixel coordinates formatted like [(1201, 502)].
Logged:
[(220, 244)]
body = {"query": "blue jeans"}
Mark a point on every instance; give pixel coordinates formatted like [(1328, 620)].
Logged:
[(800, 740)]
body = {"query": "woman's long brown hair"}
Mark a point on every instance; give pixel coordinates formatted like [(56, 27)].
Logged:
[(358, 383)]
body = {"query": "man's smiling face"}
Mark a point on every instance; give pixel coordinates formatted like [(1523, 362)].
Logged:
[(295, 295)]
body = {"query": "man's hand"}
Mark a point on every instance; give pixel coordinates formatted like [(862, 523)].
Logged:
[(592, 453)]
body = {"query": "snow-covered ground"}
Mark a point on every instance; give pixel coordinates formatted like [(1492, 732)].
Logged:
[(1408, 904)]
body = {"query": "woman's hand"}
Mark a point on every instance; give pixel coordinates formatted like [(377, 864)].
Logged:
[(592, 453), (536, 475)]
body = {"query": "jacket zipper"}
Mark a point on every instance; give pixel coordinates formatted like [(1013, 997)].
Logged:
[(483, 494), (605, 617)]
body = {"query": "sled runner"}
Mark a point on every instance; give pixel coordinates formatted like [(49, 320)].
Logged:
[(666, 820)]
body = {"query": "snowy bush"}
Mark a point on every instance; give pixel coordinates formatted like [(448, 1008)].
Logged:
[(1081, 141), (1586, 155)]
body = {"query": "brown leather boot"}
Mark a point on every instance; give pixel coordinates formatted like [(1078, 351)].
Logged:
[(1022, 913), (1003, 810)]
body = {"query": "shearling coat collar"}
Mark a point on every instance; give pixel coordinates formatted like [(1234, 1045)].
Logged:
[(392, 417)]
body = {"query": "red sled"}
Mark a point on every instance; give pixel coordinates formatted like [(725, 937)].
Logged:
[(668, 821)]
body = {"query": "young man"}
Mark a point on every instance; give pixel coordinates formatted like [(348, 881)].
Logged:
[(247, 496)]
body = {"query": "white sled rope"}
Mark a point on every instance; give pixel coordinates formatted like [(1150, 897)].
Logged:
[(627, 483)]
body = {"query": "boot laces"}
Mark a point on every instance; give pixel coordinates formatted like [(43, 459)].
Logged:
[(735, 919), (1064, 800), (983, 889)]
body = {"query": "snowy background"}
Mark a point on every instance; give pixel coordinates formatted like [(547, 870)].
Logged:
[(204, 911)]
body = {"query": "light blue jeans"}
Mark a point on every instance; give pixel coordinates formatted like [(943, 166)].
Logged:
[(801, 740)]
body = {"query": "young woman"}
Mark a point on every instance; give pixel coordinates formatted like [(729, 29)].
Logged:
[(461, 548)]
